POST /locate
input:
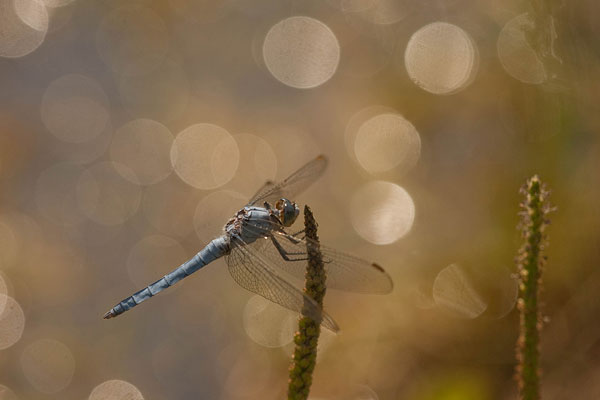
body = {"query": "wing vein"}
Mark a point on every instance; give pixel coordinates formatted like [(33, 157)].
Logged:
[(255, 274)]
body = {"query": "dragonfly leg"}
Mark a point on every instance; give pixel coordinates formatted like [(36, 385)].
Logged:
[(295, 234), (285, 254), (292, 237)]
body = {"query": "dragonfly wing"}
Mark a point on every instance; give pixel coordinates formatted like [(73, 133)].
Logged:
[(344, 271), (292, 185), (254, 273), (266, 188)]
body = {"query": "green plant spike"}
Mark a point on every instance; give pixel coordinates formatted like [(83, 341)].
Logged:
[(307, 336), (530, 261)]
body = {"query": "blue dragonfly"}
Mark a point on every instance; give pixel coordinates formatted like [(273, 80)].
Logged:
[(259, 253)]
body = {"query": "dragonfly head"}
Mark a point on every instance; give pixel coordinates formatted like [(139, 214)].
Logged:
[(288, 211)]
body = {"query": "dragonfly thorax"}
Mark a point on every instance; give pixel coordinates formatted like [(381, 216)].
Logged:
[(250, 224)]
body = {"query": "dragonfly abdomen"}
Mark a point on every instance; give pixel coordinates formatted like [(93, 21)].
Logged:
[(215, 249)]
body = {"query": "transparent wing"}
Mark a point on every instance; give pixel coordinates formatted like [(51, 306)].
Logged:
[(266, 188), (344, 271), (254, 273), (292, 185)]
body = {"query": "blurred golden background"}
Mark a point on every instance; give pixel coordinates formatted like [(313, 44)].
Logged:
[(131, 131)]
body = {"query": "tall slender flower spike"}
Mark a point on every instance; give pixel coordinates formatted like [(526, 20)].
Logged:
[(530, 261), (305, 353)]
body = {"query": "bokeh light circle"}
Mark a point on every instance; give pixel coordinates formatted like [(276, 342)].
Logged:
[(48, 365), (132, 40), (357, 120), (269, 324), (104, 196), (33, 13), (144, 146), (75, 109), (454, 292), (152, 257), (382, 212), (301, 52), (116, 389), (441, 58), (387, 141), (12, 322), (205, 156), (516, 55), (17, 36)]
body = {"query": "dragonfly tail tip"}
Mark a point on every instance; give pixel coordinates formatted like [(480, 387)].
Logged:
[(109, 314)]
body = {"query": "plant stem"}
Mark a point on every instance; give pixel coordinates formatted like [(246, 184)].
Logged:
[(305, 353), (530, 261)]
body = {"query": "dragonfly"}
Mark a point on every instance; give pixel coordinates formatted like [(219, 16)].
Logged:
[(260, 253)]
